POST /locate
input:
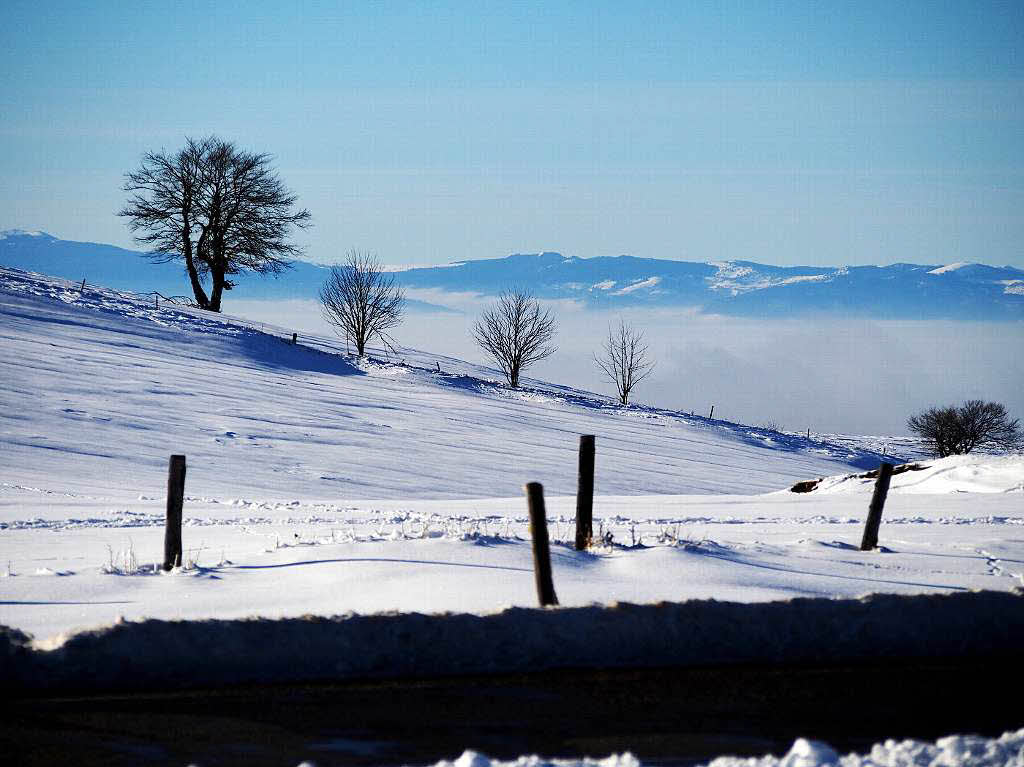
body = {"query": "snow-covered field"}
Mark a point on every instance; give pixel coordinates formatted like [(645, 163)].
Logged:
[(320, 486)]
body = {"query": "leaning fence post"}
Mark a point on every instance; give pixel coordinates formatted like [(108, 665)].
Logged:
[(175, 498), (712, 413), (541, 551), (585, 493), (870, 539)]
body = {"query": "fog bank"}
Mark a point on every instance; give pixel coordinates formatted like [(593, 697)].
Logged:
[(827, 374)]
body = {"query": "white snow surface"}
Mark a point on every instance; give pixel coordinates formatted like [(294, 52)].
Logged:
[(950, 267), (21, 233), (1013, 287), (952, 751), (955, 474), (738, 279), (650, 282), (321, 486), (99, 388)]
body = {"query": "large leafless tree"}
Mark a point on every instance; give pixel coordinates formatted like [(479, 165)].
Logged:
[(958, 430), (624, 359), (362, 300), (216, 208), (516, 332)]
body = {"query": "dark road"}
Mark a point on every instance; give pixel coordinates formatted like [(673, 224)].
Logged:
[(663, 716)]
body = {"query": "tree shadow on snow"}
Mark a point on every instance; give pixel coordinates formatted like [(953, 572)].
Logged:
[(380, 560), (276, 353)]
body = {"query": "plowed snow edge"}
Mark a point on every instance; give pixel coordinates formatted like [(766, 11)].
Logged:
[(164, 655)]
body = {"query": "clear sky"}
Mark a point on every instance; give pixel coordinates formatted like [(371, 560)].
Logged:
[(781, 132)]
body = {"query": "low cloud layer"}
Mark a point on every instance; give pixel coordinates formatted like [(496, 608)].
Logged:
[(829, 375)]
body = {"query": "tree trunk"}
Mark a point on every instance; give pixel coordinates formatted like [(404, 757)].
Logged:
[(193, 277), (217, 291)]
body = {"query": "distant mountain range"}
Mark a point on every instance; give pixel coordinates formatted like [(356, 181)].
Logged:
[(959, 291), (745, 288)]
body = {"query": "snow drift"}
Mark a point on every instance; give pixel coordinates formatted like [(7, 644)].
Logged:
[(165, 655), (974, 473), (952, 751)]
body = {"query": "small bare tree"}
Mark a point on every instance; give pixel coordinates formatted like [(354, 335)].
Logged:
[(362, 300), (624, 359), (958, 430), (516, 332)]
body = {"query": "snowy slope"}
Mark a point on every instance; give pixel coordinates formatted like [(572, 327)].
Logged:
[(288, 446), (101, 387)]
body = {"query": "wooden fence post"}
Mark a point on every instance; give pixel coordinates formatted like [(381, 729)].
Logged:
[(712, 414), (541, 551), (295, 338), (585, 493), (175, 498), (870, 539)]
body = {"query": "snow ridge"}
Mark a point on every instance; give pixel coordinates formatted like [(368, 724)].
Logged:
[(951, 751), (175, 654)]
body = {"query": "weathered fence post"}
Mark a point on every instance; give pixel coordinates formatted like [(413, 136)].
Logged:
[(541, 551), (585, 493), (295, 338), (870, 539), (712, 414), (82, 289), (175, 498)]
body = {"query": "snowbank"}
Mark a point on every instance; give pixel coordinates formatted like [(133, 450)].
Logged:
[(952, 751), (955, 474), (177, 654)]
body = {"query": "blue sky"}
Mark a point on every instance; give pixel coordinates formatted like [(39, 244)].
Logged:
[(814, 133)]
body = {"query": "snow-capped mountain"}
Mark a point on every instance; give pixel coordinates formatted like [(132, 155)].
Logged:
[(956, 291), (963, 291)]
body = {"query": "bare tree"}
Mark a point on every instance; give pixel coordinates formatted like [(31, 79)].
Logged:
[(624, 359), (958, 430), (218, 209), (516, 332), (362, 300)]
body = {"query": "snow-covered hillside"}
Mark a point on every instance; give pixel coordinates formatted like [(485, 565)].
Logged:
[(286, 443), (101, 387)]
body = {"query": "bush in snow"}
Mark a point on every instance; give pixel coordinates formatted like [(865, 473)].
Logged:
[(956, 430)]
